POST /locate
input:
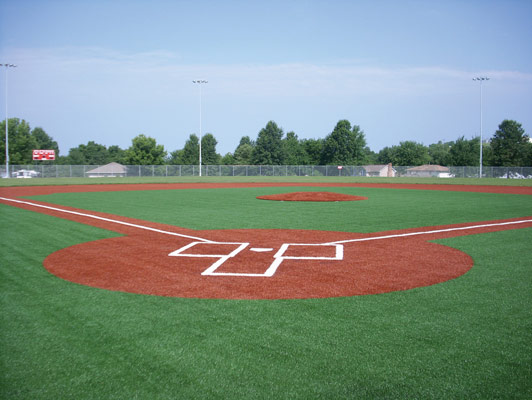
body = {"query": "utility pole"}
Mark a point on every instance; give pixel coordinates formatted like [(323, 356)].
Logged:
[(7, 121)]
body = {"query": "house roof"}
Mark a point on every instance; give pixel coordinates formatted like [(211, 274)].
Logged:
[(111, 168), (429, 168), (375, 168)]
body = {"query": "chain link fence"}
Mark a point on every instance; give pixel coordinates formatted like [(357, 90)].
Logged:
[(117, 170)]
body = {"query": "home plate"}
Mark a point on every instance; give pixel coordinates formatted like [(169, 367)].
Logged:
[(260, 249)]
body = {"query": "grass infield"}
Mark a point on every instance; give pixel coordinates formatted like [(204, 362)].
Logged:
[(466, 338)]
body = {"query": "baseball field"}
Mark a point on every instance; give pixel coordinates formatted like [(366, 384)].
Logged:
[(259, 290)]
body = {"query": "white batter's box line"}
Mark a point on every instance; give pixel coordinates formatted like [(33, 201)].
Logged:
[(278, 257)]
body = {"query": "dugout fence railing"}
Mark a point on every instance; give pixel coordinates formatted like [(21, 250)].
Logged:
[(88, 171)]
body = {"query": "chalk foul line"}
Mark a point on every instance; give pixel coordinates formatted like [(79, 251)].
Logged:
[(461, 228), (147, 228)]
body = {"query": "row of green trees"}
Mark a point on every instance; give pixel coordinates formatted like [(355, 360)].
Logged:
[(345, 145)]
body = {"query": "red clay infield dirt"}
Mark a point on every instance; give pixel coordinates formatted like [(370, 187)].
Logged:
[(165, 260), (312, 196)]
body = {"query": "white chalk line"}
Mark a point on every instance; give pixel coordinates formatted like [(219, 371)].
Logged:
[(147, 228), (400, 235), (279, 257)]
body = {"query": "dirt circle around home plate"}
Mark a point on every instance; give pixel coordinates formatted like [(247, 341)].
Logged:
[(309, 264)]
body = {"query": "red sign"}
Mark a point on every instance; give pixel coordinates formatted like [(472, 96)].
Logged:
[(44, 154)]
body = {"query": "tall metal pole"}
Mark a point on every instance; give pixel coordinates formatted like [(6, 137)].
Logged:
[(200, 82), (7, 121), (481, 79)]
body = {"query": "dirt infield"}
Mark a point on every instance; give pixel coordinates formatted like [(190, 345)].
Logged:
[(312, 196), (165, 260)]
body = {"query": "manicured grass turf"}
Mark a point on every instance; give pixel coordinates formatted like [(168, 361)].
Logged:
[(466, 338), (385, 209)]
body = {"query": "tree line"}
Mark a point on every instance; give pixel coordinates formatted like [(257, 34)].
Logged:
[(345, 145)]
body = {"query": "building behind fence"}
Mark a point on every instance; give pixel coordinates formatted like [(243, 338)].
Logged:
[(86, 171)]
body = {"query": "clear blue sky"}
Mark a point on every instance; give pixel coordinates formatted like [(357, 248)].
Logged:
[(402, 70)]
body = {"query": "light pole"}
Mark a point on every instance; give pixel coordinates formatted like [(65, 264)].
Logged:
[(200, 82), (7, 121), (481, 79)]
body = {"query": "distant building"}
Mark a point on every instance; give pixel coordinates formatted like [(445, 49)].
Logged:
[(426, 171), (379, 170), (25, 173), (110, 170)]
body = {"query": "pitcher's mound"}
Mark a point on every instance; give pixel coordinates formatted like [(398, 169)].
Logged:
[(312, 196)]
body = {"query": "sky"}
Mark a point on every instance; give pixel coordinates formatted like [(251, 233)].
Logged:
[(107, 71)]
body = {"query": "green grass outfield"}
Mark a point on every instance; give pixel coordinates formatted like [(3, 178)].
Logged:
[(467, 338)]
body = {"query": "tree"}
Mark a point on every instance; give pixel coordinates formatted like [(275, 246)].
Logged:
[(190, 153), (269, 149), (90, 154), (439, 153), (144, 150), (344, 146), (510, 145), (313, 149), (465, 152), (244, 151), (208, 150), (246, 140), (75, 156), (370, 156), (175, 157), (116, 154), (408, 153), (228, 159), (44, 141), (21, 143), (293, 150), (243, 154), (411, 153), (386, 155)]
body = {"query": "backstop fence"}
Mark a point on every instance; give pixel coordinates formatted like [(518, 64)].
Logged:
[(88, 171)]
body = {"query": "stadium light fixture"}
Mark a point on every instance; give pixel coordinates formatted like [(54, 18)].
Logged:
[(200, 82), (7, 121), (481, 79)]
